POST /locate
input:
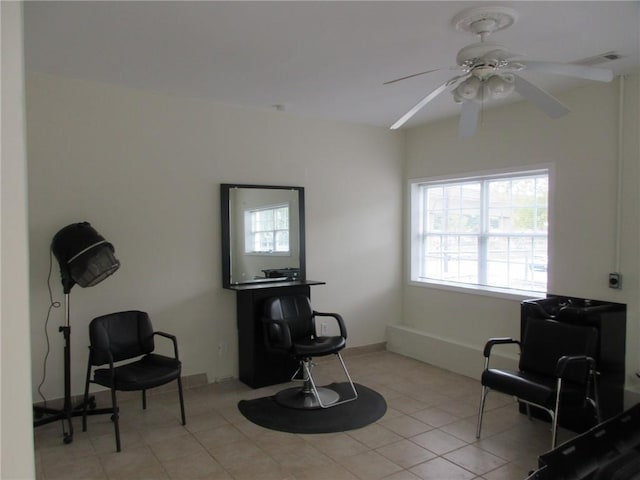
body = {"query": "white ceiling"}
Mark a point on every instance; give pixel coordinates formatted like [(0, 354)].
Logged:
[(317, 59)]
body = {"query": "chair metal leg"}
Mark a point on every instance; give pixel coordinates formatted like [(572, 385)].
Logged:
[(144, 399), (319, 396), (346, 372), (184, 421), (596, 397), (116, 418), (86, 399), (483, 397), (554, 420)]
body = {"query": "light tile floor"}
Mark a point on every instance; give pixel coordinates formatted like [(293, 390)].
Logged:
[(427, 433)]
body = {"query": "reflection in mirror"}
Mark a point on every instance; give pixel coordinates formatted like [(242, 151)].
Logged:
[(262, 234)]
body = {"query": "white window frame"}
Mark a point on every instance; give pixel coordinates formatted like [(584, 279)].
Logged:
[(414, 229), (248, 219)]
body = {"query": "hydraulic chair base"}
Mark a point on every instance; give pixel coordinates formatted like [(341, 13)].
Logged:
[(305, 399), (310, 396)]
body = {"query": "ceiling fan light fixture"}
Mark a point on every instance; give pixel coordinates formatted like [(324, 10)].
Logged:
[(468, 90), (500, 86)]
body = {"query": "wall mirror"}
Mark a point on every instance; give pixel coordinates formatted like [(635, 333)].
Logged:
[(262, 234)]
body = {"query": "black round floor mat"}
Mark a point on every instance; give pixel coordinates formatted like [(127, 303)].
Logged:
[(366, 409)]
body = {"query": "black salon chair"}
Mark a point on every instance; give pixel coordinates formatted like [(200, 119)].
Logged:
[(124, 336), (289, 327), (557, 368)]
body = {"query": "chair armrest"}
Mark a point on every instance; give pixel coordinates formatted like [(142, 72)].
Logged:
[(575, 367), (338, 318), (281, 330), (173, 339), (498, 341)]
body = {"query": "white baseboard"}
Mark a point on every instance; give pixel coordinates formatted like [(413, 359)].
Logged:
[(444, 353)]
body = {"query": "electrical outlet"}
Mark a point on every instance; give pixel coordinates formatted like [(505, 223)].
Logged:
[(221, 349), (615, 280), (323, 329)]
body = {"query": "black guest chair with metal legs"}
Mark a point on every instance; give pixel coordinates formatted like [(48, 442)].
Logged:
[(556, 372), (289, 327), (124, 336)]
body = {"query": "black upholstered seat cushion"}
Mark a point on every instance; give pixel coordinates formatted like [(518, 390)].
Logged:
[(533, 387), (318, 346), (150, 371)]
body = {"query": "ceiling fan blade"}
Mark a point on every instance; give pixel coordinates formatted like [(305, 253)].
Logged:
[(571, 70), (411, 76), (541, 99), (449, 84), (469, 118)]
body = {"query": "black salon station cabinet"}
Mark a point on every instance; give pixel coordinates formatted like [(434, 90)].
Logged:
[(257, 366)]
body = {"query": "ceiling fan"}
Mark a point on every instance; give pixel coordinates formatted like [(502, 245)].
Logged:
[(488, 71)]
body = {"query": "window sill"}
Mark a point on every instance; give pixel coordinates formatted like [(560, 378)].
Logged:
[(495, 292)]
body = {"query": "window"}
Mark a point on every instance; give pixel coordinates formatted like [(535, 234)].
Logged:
[(267, 230), (486, 231)]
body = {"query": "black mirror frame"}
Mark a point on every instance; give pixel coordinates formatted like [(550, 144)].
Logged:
[(226, 233)]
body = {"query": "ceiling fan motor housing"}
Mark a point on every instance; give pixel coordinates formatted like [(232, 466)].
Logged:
[(488, 51)]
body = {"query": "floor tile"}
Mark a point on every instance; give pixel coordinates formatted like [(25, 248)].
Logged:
[(407, 404), (428, 432), (177, 447), (434, 416), (375, 436), (510, 471), (405, 425), (403, 475), (441, 469), (214, 437), (475, 459), (336, 445), (195, 466), (204, 421), (137, 462), (82, 469), (333, 472), (370, 465), (406, 453), (438, 442), (464, 429)]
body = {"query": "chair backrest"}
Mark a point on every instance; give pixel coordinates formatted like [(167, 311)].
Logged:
[(546, 340), (295, 312), (125, 334)]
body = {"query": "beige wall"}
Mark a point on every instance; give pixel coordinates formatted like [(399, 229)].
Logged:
[(145, 170), (449, 328), (16, 437)]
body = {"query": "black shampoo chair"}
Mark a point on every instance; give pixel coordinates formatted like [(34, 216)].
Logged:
[(289, 327), (557, 367), (124, 336)]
